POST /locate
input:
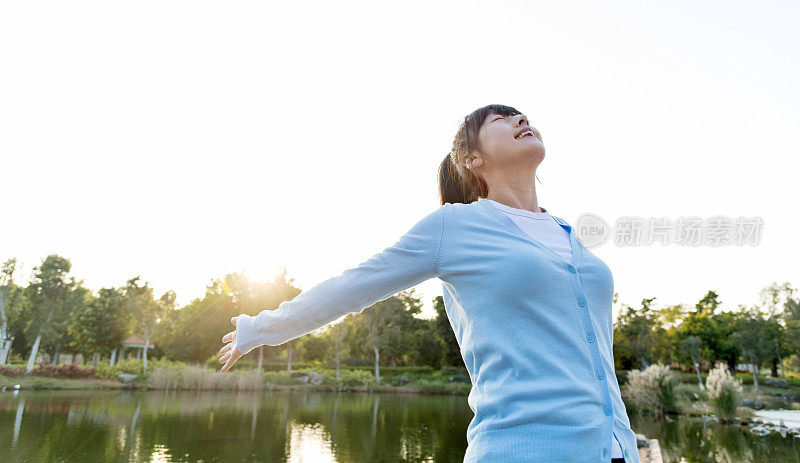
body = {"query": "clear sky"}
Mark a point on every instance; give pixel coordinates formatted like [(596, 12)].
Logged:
[(184, 140)]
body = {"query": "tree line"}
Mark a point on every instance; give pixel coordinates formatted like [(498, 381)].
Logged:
[(56, 313), (696, 337)]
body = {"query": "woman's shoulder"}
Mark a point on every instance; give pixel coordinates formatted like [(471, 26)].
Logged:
[(460, 208), (462, 213)]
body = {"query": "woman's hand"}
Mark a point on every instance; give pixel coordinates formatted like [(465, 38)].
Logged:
[(230, 353)]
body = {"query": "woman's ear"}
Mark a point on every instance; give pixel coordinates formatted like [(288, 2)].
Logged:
[(476, 161)]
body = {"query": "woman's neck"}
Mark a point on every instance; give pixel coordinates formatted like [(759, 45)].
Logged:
[(526, 202)]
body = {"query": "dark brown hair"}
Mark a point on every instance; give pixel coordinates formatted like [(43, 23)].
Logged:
[(457, 184)]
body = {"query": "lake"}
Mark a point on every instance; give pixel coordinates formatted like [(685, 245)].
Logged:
[(152, 426)]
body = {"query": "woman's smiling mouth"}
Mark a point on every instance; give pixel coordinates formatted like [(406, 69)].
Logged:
[(525, 133)]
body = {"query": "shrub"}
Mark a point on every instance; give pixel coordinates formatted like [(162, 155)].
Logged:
[(652, 390), (72, 370), (106, 371), (724, 390), (11, 371), (282, 378), (434, 387), (451, 371), (130, 366), (250, 361), (134, 367), (347, 377), (388, 371), (351, 378)]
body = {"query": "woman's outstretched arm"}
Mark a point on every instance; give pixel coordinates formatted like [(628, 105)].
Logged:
[(413, 259)]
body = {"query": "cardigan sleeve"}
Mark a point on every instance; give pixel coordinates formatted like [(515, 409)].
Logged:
[(413, 259)]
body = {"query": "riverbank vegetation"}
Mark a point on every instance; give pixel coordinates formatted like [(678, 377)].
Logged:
[(170, 375), (53, 320), (647, 391)]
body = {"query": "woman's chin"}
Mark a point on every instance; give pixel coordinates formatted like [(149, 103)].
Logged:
[(535, 151)]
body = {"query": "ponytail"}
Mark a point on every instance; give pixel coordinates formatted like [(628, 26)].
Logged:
[(457, 184), (452, 188)]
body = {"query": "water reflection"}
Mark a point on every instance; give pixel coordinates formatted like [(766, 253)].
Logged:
[(693, 440), (18, 419), (213, 426), (310, 443), (297, 427)]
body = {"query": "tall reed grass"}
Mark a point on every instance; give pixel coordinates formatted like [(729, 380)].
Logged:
[(652, 390), (200, 378), (724, 391)]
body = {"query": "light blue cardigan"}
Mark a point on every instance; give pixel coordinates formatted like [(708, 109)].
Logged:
[(535, 331)]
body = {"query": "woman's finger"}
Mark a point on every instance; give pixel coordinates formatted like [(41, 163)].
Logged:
[(226, 366), (232, 356), (229, 362), (225, 348)]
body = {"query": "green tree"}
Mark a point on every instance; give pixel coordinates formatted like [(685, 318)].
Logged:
[(315, 348), (51, 296), (634, 333), (382, 326), (145, 311), (691, 348), (101, 326), (341, 331), (708, 304), (792, 323), (727, 350), (202, 322), (751, 338), (408, 327), (7, 291), (208, 318), (450, 350), (777, 301), (425, 348), (702, 323)]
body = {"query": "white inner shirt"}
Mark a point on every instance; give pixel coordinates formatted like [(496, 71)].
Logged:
[(542, 227)]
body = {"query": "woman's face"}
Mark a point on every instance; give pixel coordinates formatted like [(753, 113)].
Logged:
[(505, 140)]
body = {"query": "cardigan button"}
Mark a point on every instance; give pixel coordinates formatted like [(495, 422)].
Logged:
[(581, 302), (571, 269), (607, 410), (599, 374), (590, 337)]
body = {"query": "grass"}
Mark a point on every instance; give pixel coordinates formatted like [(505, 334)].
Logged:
[(164, 375), (200, 378), (38, 382)]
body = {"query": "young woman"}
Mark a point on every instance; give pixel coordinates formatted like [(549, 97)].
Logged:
[(529, 305)]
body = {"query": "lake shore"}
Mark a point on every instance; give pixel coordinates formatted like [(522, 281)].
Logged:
[(37, 382), (790, 418), (691, 398), (40, 383)]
